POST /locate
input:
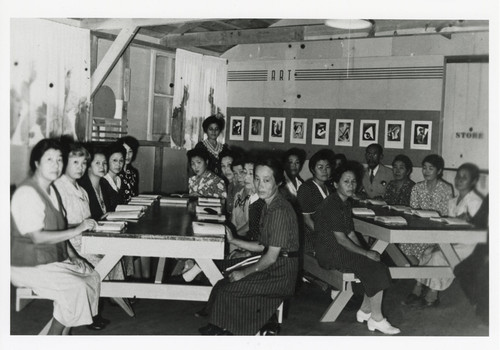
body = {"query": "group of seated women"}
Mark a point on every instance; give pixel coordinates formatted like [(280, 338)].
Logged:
[(272, 214), (71, 187)]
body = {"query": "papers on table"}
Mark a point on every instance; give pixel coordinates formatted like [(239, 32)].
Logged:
[(177, 201), (391, 220), (362, 211), (423, 213), (110, 226), (124, 215), (249, 261), (452, 221), (210, 217), (128, 207), (208, 229)]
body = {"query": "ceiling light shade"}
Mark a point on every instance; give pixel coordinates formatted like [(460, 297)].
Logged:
[(348, 23)]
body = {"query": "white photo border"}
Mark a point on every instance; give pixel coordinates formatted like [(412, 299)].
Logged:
[(362, 123), (351, 132), (413, 142), (304, 130), (320, 141), (233, 136), (394, 144), (259, 137), (281, 138)]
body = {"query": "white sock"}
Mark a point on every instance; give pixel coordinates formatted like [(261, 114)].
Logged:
[(191, 274)]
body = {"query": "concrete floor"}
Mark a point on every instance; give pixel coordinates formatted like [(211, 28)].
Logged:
[(453, 317)]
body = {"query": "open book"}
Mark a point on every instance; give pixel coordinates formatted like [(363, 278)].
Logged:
[(362, 211), (208, 229), (248, 261), (180, 195), (452, 221), (423, 213), (397, 207), (373, 201), (391, 220), (110, 226), (210, 217), (128, 207)]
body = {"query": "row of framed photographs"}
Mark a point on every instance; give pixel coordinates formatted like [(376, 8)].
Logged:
[(394, 136)]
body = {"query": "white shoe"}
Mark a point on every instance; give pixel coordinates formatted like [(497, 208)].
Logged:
[(334, 293), (383, 326), (362, 316)]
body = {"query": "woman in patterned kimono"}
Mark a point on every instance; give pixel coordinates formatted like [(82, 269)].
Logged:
[(213, 126), (204, 183), (129, 175), (41, 257), (246, 298)]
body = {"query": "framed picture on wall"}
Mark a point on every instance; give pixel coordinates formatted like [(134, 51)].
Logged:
[(368, 132), (394, 136), (237, 128), (344, 129), (421, 134), (298, 130), (277, 130), (321, 132), (256, 129)]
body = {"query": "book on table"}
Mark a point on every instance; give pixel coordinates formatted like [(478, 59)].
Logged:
[(452, 221), (397, 207), (178, 201), (141, 201), (210, 217), (248, 261), (124, 215), (391, 220), (209, 202), (110, 226), (208, 210), (208, 229), (130, 207), (179, 195), (148, 196), (362, 211), (375, 202), (423, 213)]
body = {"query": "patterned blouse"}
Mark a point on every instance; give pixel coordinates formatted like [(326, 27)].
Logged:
[(437, 199), (130, 182), (394, 196), (207, 185)]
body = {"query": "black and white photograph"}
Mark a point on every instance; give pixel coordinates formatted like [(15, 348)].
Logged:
[(368, 132), (181, 174), (237, 128), (343, 132), (298, 130), (321, 131), (394, 136), (421, 135), (276, 129), (256, 129)]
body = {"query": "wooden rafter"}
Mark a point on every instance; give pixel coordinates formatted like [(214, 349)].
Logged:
[(235, 37), (119, 23)]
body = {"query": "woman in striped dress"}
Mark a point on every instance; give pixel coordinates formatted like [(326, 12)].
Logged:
[(337, 246), (246, 299)]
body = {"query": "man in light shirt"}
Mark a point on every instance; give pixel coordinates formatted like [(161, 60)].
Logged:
[(377, 175)]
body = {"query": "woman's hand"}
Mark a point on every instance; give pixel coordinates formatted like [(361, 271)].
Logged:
[(229, 234), (236, 276), (87, 225), (373, 255)]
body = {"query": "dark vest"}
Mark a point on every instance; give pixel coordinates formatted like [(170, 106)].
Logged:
[(26, 253)]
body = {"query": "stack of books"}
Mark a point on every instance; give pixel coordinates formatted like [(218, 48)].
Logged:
[(209, 209), (141, 201), (174, 201), (209, 202), (208, 229), (129, 207), (124, 215), (362, 212), (110, 226)]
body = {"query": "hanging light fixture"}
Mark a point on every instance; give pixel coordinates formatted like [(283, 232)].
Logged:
[(350, 24)]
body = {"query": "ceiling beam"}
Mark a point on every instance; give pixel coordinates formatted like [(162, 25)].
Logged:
[(227, 25), (111, 57), (119, 23), (235, 37)]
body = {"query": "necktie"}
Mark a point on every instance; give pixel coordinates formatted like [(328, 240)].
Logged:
[(371, 176)]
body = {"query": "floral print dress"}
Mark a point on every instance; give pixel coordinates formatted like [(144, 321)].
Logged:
[(207, 185)]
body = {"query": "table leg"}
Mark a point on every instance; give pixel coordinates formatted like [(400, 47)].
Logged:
[(397, 256), (159, 270), (211, 271), (450, 254), (337, 305), (379, 246)]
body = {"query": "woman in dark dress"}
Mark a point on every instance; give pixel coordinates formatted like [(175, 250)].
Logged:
[(312, 192), (213, 126), (338, 247), (129, 175), (113, 188), (246, 299), (398, 191)]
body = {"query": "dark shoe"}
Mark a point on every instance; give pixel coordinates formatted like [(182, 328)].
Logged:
[(270, 329), (201, 313), (177, 279), (96, 326), (102, 320), (412, 300), (211, 329)]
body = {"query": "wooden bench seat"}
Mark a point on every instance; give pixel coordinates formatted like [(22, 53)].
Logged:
[(341, 281)]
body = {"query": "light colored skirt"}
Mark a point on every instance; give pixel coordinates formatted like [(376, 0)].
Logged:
[(75, 290)]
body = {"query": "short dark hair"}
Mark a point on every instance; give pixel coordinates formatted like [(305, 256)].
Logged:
[(131, 142), (322, 154), (198, 152), (436, 160), (213, 119), (472, 169), (404, 159), (115, 147), (379, 148), (348, 166), (294, 151), (341, 157), (40, 148), (275, 166), (93, 150)]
